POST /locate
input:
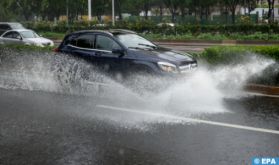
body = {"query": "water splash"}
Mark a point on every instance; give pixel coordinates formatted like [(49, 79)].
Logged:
[(202, 92), (45, 71), (234, 77)]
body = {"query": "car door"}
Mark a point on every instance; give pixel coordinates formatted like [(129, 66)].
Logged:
[(82, 46), (12, 37), (111, 62)]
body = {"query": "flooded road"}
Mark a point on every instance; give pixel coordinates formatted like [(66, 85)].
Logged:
[(48, 128), (55, 109)]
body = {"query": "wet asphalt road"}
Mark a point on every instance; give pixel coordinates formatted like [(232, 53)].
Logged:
[(48, 129)]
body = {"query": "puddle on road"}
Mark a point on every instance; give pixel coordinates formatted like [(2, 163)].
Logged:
[(200, 93)]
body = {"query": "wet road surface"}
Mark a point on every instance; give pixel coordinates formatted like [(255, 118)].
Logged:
[(48, 128)]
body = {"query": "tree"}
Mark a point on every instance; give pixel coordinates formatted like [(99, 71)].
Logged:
[(52, 8), (231, 5), (250, 5), (19, 9), (145, 5), (270, 10), (101, 7), (135, 7), (184, 4), (201, 8), (173, 6), (28, 8), (160, 5), (118, 4), (5, 13)]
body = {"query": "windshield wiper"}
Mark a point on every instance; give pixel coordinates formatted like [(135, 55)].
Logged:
[(150, 46), (135, 48), (140, 48)]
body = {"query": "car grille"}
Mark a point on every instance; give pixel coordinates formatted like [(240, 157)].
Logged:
[(182, 63), (188, 67)]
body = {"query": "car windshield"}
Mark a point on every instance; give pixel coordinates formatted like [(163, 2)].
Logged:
[(29, 34), (134, 41), (16, 26)]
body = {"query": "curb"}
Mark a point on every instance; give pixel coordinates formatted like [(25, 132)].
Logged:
[(263, 89)]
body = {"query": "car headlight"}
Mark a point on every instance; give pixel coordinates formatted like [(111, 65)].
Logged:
[(51, 43), (38, 44), (168, 67)]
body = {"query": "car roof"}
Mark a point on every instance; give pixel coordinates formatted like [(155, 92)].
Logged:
[(109, 32), (121, 31), (9, 23), (16, 30), (19, 30)]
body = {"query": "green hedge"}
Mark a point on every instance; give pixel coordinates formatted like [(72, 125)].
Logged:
[(231, 54), (147, 26), (215, 37), (26, 48)]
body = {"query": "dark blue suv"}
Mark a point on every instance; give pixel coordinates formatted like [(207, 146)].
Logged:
[(125, 52)]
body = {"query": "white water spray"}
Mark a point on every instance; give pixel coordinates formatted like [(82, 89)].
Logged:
[(202, 92)]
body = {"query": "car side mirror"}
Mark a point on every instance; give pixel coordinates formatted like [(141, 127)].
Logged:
[(118, 51)]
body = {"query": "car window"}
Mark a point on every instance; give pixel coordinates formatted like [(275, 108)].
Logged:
[(8, 35), (5, 27), (133, 40), (83, 41), (29, 34), (14, 35), (106, 43)]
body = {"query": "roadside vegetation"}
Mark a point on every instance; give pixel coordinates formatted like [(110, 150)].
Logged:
[(52, 35), (214, 37), (181, 32), (229, 54), (26, 48)]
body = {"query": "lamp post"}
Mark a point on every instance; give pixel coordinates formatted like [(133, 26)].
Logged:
[(67, 12), (113, 16), (89, 10)]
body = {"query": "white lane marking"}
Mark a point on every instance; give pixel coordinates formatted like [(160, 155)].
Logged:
[(98, 83), (190, 119)]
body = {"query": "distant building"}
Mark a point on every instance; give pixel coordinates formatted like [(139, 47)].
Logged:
[(262, 10)]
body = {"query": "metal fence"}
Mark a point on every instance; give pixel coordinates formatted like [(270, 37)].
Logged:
[(212, 20)]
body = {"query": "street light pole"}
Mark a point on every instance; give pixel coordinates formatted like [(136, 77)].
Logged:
[(89, 10), (67, 12), (113, 16)]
